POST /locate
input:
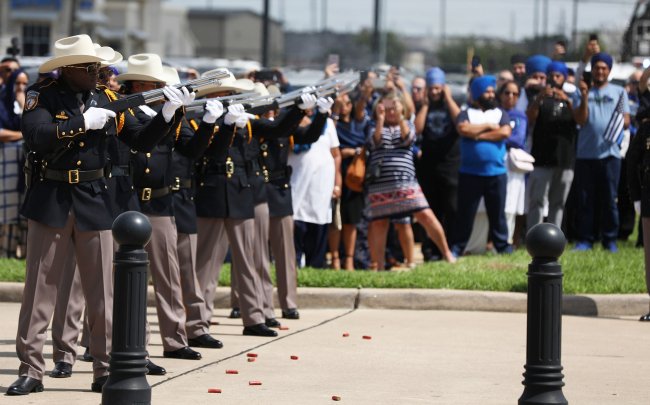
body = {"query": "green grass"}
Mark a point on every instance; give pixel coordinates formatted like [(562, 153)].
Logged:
[(597, 272)]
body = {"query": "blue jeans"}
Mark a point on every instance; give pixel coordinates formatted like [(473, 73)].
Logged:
[(597, 189), (470, 190)]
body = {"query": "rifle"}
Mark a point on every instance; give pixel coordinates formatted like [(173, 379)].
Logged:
[(152, 96)]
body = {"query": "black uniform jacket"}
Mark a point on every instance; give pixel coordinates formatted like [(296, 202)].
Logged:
[(638, 167), (274, 154), (153, 175), (224, 174), (54, 132), (184, 157)]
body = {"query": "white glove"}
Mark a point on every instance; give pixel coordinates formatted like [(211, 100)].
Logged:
[(242, 120), (213, 110), (308, 102), (174, 101), (324, 104), (96, 118), (637, 207), (234, 112)]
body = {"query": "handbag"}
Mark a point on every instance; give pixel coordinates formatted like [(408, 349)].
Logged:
[(520, 161), (356, 172)]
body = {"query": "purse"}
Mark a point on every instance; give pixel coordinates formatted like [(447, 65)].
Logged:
[(520, 161), (356, 173)]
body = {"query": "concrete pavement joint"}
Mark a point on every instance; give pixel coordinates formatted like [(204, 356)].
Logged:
[(253, 348)]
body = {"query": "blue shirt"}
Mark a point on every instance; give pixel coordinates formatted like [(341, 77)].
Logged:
[(482, 158), (602, 103), (519, 124)]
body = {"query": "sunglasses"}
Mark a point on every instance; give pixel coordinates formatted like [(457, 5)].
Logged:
[(90, 69)]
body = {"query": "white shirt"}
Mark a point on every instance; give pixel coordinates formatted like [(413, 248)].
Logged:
[(313, 177)]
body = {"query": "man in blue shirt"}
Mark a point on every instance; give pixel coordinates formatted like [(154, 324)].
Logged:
[(598, 162)]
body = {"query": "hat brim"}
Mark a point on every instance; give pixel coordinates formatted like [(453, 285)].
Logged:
[(102, 54), (115, 60), (140, 77), (240, 86)]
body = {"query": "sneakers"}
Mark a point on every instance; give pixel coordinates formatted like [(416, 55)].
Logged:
[(582, 246), (611, 246)]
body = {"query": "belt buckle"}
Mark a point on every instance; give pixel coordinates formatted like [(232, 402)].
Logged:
[(177, 184), (146, 194), (73, 176), (230, 168)]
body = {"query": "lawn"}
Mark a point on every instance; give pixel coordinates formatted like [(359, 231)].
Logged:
[(597, 272)]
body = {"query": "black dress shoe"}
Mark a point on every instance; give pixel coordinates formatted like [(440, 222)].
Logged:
[(185, 353), (235, 313), (154, 369), (86, 356), (291, 313), (24, 385), (272, 323), (645, 318), (98, 384), (259, 330), (206, 341), (61, 370)]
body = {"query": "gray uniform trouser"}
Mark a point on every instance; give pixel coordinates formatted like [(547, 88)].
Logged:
[(165, 272), (49, 249), (262, 261), (67, 319), (284, 253), (645, 224), (195, 324), (550, 184), (211, 252)]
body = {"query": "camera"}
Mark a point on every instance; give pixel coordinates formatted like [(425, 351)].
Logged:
[(267, 75)]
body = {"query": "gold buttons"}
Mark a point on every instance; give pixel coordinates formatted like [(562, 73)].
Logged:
[(80, 129), (286, 186), (81, 144), (148, 154), (147, 170), (265, 154), (282, 145), (78, 162), (202, 184), (257, 173), (63, 133)]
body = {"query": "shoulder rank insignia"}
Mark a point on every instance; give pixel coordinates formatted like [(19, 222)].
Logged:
[(31, 100)]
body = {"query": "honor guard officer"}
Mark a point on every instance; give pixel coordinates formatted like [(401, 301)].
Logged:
[(274, 154), (67, 203), (153, 179), (189, 148), (225, 200)]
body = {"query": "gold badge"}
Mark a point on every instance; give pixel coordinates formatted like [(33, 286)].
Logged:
[(62, 116), (31, 100)]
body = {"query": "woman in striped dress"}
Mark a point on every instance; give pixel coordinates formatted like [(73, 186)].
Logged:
[(393, 189)]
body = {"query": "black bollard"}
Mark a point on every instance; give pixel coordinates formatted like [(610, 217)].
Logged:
[(127, 383), (543, 377)]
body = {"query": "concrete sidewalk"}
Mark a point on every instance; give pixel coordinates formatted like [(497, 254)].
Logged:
[(414, 357)]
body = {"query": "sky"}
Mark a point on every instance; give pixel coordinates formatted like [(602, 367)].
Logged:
[(512, 19)]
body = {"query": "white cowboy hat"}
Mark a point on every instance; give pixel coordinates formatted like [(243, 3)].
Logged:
[(75, 50), (261, 89), (172, 75), (115, 60), (146, 67), (227, 84)]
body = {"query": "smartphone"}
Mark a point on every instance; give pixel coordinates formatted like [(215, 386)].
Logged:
[(266, 75), (379, 83), (332, 59), (586, 77), (476, 60)]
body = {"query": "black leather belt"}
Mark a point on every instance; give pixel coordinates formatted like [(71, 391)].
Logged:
[(120, 171), (73, 176), (181, 183), (146, 194)]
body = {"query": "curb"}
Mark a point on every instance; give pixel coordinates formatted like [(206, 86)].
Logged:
[(421, 299)]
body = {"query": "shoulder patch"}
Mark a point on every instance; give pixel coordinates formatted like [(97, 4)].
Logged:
[(31, 100)]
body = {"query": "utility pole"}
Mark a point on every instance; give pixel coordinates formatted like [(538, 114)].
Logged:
[(376, 30), (574, 26), (265, 34)]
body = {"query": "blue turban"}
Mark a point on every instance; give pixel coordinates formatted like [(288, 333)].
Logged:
[(435, 75), (602, 57), (114, 70), (559, 67), (480, 85), (537, 63)]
